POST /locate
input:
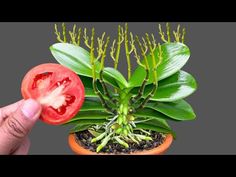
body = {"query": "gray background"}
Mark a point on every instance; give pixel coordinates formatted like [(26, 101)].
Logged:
[(212, 62)]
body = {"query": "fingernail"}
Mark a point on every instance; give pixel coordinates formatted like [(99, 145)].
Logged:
[(30, 108)]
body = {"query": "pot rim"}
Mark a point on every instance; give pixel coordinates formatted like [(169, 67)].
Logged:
[(78, 149)]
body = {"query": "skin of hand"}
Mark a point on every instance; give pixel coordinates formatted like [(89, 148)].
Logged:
[(16, 121)]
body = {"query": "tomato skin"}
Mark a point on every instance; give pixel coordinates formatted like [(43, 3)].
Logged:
[(59, 90)]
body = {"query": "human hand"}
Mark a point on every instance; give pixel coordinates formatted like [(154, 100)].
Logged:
[(16, 121)]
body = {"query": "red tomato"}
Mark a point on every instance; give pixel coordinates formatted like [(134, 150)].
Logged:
[(58, 89)]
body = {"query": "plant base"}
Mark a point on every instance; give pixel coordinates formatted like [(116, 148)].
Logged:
[(80, 150)]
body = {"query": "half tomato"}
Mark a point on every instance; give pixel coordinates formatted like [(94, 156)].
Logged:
[(58, 89)]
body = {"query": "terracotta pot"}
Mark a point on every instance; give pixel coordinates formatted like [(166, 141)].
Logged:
[(156, 151)]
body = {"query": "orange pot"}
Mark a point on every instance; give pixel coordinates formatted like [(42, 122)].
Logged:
[(155, 151)]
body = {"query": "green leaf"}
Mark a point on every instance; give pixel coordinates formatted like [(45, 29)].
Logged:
[(179, 110), (88, 86), (155, 128), (73, 57), (156, 125), (90, 92), (116, 75), (79, 128), (82, 125), (154, 121), (176, 87), (86, 121), (90, 121), (175, 56), (150, 113), (92, 104), (91, 115), (87, 81), (78, 60)]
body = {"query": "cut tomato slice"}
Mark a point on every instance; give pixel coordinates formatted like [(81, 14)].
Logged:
[(58, 89)]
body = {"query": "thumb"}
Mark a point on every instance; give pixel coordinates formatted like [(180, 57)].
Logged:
[(17, 126)]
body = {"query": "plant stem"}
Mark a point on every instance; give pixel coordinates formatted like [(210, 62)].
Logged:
[(143, 49), (152, 49), (120, 40), (141, 89), (103, 101), (64, 32), (92, 59), (155, 82), (168, 31), (79, 36), (123, 112), (150, 95), (103, 52), (58, 34), (127, 52), (105, 88), (183, 35), (162, 34)]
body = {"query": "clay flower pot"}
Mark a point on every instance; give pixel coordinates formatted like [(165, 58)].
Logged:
[(155, 151)]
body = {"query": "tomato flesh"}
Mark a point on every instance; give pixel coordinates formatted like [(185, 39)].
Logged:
[(58, 89)]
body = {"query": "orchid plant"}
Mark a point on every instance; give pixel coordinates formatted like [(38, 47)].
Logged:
[(115, 107)]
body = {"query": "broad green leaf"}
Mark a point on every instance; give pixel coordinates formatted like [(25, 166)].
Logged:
[(87, 81), (86, 121), (176, 87), (82, 125), (150, 113), (92, 104), (116, 75), (88, 86), (79, 128), (73, 57), (155, 128), (175, 56), (91, 121), (179, 110), (154, 121), (89, 92), (78, 60), (91, 115)]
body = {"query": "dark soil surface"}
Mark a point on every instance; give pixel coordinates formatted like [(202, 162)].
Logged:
[(84, 139)]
